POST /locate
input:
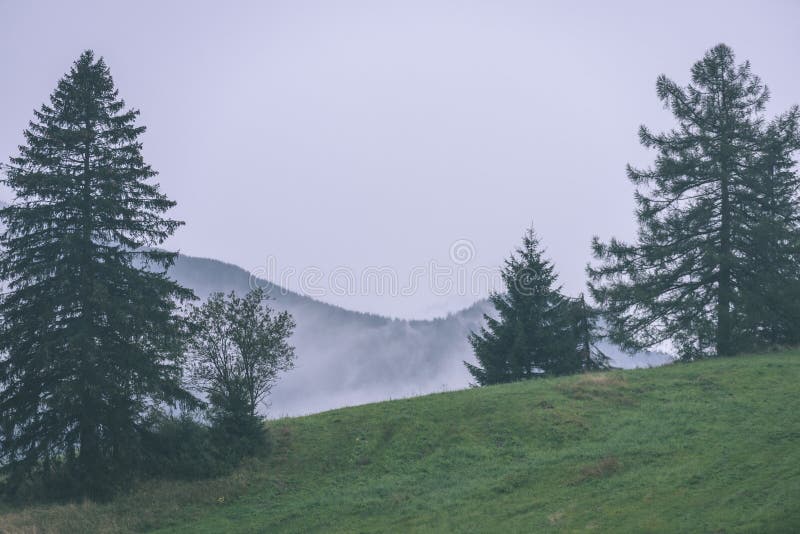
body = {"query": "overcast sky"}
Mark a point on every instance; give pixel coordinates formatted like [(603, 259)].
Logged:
[(330, 137)]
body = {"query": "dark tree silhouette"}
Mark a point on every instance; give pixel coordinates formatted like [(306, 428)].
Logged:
[(538, 332), (90, 337), (690, 278)]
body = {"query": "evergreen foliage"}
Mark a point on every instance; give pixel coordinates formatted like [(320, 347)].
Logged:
[(537, 332), (770, 309), (717, 218), (90, 340)]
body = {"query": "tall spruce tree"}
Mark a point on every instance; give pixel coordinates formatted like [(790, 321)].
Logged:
[(683, 280), (90, 338), (537, 332)]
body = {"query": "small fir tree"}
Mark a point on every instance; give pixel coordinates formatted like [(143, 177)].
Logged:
[(537, 332)]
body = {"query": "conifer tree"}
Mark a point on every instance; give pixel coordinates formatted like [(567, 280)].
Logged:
[(770, 311), (581, 351), (537, 332), (682, 281), (90, 338)]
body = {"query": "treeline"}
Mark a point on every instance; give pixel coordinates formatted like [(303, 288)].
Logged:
[(715, 270), (99, 348)]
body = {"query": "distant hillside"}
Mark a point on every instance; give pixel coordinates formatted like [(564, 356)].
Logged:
[(347, 358), (710, 446)]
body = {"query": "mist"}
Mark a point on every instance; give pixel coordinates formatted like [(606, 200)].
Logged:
[(346, 358)]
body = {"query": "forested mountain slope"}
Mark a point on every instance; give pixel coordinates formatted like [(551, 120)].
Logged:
[(347, 358)]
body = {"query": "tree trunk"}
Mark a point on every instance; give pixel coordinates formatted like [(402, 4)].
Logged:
[(723, 341)]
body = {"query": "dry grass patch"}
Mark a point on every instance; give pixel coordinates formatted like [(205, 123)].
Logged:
[(554, 518), (601, 469), (62, 518), (601, 386), (152, 504)]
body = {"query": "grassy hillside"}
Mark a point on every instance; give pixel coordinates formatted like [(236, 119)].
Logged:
[(707, 447)]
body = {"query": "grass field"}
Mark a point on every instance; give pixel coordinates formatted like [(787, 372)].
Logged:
[(712, 446)]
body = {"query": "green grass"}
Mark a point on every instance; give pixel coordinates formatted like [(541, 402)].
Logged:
[(712, 446)]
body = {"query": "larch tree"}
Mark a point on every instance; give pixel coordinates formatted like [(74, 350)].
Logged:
[(91, 340), (770, 311), (684, 280)]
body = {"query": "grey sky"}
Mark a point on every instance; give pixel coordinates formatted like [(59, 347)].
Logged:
[(355, 134)]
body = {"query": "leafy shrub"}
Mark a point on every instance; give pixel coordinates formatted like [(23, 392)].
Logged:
[(180, 447)]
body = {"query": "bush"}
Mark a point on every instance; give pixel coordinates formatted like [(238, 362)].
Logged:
[(185, 448), (235, 432), (181, 448)]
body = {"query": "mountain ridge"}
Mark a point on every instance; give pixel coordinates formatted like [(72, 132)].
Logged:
[(347, 357)]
